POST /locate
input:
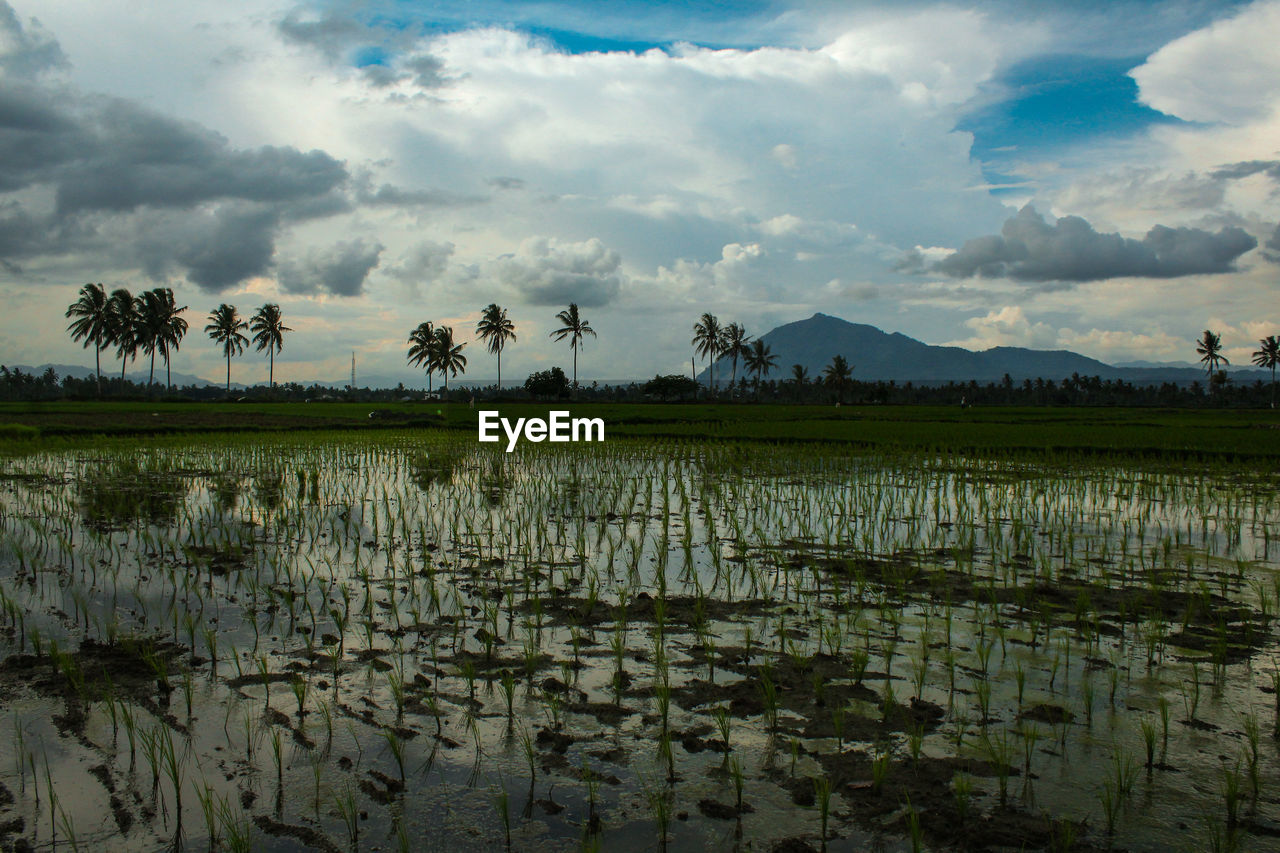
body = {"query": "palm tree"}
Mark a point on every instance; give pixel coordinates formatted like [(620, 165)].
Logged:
[(123, 322), (421, 345), (172, 328), (92, 324), (495, 329), (224, 328), (156, 312), (760, 360), (706, 342), (1268, 355), (1210, 349), (575, 329), (268, 333), (800, 377), (446, 356), (837, 373), (733, 343)]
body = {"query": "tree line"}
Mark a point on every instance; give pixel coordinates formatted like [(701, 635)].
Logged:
[(433, 348), (152, 323)]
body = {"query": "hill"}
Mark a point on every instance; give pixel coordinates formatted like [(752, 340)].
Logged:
[(877, 355)]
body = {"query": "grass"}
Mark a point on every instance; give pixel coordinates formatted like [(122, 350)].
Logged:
[(1157, 432)]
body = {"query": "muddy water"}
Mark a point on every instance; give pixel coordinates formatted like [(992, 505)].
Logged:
[(973, 654)]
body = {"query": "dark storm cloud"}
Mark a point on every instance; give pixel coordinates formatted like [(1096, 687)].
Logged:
[(329, 34), (107, 178), (340, 270), (215, 249), (105, 159), (1271, 168), (132, 157), (1070, 250)]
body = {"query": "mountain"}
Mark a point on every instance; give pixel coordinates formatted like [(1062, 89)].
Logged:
[(881, 356), (139, 376)]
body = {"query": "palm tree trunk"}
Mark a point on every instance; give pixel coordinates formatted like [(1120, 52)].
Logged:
[(271, 368), (1273, 386), (499, 370), (168, 374), (575, 371), (124, 362), (97, 361), (228, 374), (151, 375)]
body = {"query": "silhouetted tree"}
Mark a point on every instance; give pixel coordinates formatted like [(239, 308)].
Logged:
[(422, 342), (837, 373), (123, 321), (733, 344), (1268, 356), (760, 360), (92, 324), (575, 329), (225, 328), (446, 356), (495, 329), (706, 342), (1210, 349), (268, 333)]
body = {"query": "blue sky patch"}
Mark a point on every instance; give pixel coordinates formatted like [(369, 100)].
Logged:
[(1058, 102)]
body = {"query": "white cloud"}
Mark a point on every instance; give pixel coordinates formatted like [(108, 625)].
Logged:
[(1228, 72), (760, 183)]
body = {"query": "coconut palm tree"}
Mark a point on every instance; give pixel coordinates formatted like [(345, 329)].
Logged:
[(760, 360), (706, 342), (159, 327), (224, 328), (92, 324), (1268, 356), (446, 356), (123, 322), (268, 333), (172, 328), (421, 345), (575, 329), (1210, 349), (799, 378), (837, 373), (733, 344), (495, 329)]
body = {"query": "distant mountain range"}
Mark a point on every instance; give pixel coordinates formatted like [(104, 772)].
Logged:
[(139, 376), (880, 356)]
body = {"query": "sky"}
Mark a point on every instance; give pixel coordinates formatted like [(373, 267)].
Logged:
[(1100, 177)]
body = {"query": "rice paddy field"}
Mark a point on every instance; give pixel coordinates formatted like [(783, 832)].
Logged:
[(406, 640)]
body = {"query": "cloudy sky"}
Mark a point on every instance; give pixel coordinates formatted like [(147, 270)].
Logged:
[(1098, 176)]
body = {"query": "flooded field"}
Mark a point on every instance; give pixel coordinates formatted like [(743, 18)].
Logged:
[(409, 643)]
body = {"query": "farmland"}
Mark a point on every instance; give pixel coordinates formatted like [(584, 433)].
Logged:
[(727, 625), (1225, 433)]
